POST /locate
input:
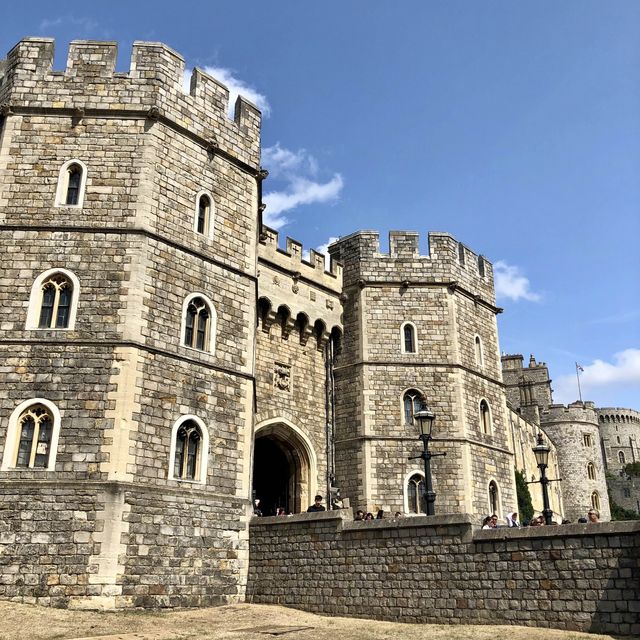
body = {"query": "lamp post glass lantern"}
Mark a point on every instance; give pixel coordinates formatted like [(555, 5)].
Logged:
[(424, 418), (541, 452)]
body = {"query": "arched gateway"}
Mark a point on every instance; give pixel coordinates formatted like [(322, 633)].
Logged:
[(284, 467)]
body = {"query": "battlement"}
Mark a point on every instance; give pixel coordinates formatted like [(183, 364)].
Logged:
[(574, 412), (154, 84), (291, 259), (515, 362), (618, 415), (447, 261)]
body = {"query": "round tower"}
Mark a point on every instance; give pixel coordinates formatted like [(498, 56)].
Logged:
[(575, 433)]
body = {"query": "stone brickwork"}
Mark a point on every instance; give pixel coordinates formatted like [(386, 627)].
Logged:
[(441, 570), (123, 377), (567, 427), (450, 300), (300, 330)]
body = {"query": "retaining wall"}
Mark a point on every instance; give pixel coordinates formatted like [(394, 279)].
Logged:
[(443, 569)]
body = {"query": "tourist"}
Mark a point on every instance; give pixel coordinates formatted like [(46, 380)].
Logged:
[(541, 521), (368, 517), (256, 508), (359, 516), (593, 516), (316, 506), (281, 512), (397, 515), (486, 523), (380, 514), (582, 520), (512, 520)]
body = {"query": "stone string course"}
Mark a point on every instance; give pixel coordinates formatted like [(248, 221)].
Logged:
[(443, 570)]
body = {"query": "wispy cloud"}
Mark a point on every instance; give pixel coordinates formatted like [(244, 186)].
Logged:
[(510, 283), (298, 173), (87, 25), (323, 248), (624, 370), (236, 87)]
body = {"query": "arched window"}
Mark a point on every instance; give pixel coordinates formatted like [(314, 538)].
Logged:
[(188, 439), (204, 214), (621, 458), (494, 498), (595, 501), (478, 351), (198, 323), (32, 436), (189, 449), (485, 417), (591, 471), (57, 293), (481, 266), (71, 184), (54, 300), (415, 494), (408, 337), (412, 402)]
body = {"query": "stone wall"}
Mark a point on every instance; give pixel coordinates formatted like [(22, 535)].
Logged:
[(443, 570)]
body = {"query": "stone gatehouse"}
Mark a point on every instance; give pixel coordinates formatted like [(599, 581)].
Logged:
[(165, 362)]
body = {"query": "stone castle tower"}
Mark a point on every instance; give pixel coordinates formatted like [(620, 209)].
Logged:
[(420, 328), (573, 430), (129, 230)]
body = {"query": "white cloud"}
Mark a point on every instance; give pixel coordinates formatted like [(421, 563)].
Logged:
[(623, 371), (87, 24), (323, 248), (236, 87), (297, 172), (511, 284)]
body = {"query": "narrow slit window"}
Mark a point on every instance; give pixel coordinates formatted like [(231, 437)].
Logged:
[(591, 471), (204, 214), (74, 183), (409, 336), (485, 417)]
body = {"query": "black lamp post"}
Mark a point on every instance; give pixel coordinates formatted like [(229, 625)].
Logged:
[(424, 419), (541, 451)]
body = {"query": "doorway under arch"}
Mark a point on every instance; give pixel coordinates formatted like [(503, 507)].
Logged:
[(284, 468)]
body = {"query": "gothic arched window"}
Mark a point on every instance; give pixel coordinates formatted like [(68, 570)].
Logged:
[(55, 304), (197, 324), (186, 461), (591, 471), (415, 494), (621, 458), (35, 426), (595, 501), (203, 218), (412, 401), (478, 351)]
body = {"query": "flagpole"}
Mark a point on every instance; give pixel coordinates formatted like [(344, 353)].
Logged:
[(578, 378)]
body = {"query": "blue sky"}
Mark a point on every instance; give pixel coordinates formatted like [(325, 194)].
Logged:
[(512, 125)]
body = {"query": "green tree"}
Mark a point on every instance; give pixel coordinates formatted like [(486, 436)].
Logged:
[(632, 469), (525, 506), (620, 513)]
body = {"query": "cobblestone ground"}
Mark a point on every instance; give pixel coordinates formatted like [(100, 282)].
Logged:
[(251, 622)]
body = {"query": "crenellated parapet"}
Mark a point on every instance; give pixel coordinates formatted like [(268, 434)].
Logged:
[(152, 88), (576, 412), (300, 295), (448, 262), (291, 260)]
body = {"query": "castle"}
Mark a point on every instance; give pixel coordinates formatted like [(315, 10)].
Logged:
[(165, 362)]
